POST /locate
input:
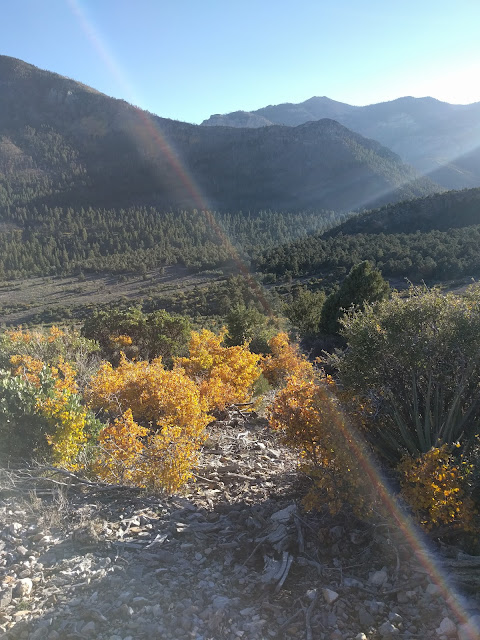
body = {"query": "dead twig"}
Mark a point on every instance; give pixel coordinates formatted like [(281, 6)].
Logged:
[(308, 617), (300, 539), (286, 564)]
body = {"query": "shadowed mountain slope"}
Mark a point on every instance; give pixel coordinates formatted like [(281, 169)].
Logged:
[(439, 139), (441, 211), (62, 143)]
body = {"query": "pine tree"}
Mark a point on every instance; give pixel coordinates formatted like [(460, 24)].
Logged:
[(363, 284)]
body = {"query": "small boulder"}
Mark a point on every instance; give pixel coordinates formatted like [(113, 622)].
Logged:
[(329, 596), (432, 590), (378, 578), (23, 588), (388, 630), (447, 628)]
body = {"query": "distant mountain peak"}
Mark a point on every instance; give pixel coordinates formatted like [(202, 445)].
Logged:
[(439, 139), (66, 144)]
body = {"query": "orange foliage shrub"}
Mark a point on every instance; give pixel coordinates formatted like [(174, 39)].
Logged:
[(284, 361), (28, 337), (27, 367), (168, 403), (225, 375), (122, 459), (121, 341), (312, 422), (435, 486)]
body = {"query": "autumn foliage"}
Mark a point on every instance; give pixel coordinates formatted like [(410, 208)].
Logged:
[(143, 421), (313, 422), (284, 361), (159, 418), (435, 486), (159, 415), (224, 375), (57, 401)]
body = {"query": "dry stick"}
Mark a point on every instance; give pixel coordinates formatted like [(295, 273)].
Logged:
[(101, 486), (301, 542), (69, 474), (308, 616), (254, 551), (309, 526), (195, 475), (290, 620), (285, 568)]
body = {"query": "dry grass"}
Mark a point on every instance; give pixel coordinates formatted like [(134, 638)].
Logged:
[(20, 300)]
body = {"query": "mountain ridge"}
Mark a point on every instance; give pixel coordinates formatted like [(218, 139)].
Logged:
[(439, 139), (70, 143)]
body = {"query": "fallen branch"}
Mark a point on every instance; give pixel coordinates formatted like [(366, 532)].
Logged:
[(36, 473)]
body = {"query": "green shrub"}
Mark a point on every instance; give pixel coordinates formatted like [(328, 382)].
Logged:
[(247, 324), (139, 335), (305, 311), (22, 431), (417, 360)]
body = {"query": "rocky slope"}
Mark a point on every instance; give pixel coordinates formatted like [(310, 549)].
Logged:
[(235, 557)]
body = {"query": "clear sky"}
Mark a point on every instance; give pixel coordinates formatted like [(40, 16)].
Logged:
[(187, 59)]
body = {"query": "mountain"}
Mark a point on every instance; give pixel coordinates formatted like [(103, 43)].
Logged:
[(64, 144), (440, 140)]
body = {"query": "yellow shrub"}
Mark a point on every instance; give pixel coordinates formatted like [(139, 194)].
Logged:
[(434, 485), (20, 336), (58, 401), (121, 459), (225, 375), (121, 341), (169, 402), (27, 367), (312, 422), (285, 360)]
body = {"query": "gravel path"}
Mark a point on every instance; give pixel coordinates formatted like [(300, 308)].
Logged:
[(234, 557)]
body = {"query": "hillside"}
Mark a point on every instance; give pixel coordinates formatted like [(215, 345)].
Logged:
[(439, 139), (451, 210), (62, 143), (432, 239)]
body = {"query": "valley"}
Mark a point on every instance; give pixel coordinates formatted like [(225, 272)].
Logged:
[(165, 290)]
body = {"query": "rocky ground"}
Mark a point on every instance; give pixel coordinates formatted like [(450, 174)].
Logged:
[(234, 557)]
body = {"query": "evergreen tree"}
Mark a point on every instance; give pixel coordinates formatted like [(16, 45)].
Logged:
[(363, 284)]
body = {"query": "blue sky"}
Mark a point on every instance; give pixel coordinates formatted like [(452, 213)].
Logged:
[(187, 59)]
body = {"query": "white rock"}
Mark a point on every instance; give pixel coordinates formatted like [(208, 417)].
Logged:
[(433, 589), (352, 582), (220, 602), (23, 588), (329, 596), (274, 453), (14, 528), (360, 636), (395, 618), (388, 630), (378, 577), (447, 628)]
